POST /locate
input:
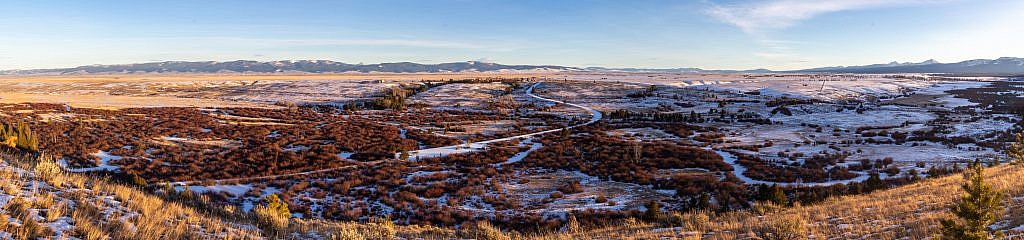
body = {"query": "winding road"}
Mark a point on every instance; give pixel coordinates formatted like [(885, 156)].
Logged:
[(423, 153)]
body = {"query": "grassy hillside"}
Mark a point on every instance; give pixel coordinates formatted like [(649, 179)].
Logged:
[(40, 201), (907, 212)]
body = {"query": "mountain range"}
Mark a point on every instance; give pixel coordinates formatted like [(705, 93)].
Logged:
[(999, 66), (301, 66), (1003, 65)]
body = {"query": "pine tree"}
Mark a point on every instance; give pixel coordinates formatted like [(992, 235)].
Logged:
[(403, 155), (187, 193), (653, 212), (777, 196), (874, 182), (976, 210), (1016, 151), (25, 138)]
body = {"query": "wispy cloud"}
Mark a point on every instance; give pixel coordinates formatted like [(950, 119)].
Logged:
[(760, 16), (352, 42), (381, 42)]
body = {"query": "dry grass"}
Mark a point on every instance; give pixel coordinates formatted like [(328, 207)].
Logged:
[(56, 211), (100, 209), (483, 231), (907, 212), (375, 229)]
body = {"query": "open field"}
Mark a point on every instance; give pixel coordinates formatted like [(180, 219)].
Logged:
[(525, 152), (209, 90)]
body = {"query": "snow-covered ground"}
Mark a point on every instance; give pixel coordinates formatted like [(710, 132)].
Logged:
[(477, 146), (739, 169), (235, 190), (535, 195), (885, 116), (104, 165), (40, 197), (521, 155)]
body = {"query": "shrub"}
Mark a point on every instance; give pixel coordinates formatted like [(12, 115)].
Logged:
[(347, 234), (4, 220), (48, 170), (653, 212), (43, 200), (138, 180), (777, 196), (571, 187), (785, 228), (765, 207), (380, 229), (557, 195), (56, 211), (696, 220), (274, 214), (482, 230), (572, 226), (30, 229), (17, 207)]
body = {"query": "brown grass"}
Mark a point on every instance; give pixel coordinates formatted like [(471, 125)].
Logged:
[(908, 212), (154, 217)]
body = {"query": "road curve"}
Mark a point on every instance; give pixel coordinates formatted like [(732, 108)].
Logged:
[(423, 153)]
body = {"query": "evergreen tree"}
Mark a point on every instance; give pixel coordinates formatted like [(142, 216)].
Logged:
[(874, 182), (18, 136), (404, 155), (653, 212), (777, 196), (975, 210), (1016, 151)]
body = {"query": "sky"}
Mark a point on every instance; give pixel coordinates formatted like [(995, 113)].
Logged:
[(734, 34)]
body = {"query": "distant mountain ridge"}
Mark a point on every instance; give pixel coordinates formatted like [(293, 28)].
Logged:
[(674, 70), (999, 66), (1003, 65), (305, 66)]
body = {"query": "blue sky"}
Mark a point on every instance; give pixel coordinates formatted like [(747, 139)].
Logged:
[(774, 34)]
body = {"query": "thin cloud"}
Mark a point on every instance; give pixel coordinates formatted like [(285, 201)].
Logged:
[(760, 16), (364, 42)]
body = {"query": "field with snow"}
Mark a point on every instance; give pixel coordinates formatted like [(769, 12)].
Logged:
[(522, 148)]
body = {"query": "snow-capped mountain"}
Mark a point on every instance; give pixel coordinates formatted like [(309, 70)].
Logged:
[(1003, 65), (305, 66)]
